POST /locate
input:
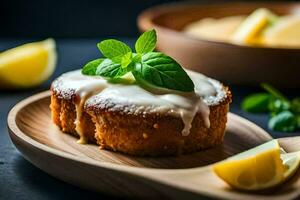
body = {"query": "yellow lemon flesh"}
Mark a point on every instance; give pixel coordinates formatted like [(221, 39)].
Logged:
[(209, 28), (249, 31), (284, 33), (27, 65), (259, 168)]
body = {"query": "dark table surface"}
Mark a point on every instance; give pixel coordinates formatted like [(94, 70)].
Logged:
[(19, 179)]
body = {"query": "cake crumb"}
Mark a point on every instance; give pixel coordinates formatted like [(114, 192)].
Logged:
[(155, 126), (145, 135)]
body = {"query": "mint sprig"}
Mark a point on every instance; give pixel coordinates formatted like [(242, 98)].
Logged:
[(150, 69), (284, 114)]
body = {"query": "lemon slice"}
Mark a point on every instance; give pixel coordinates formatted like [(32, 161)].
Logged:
[(209, 28), (258, 168), (248, 32), (285, 32), (27, 65)]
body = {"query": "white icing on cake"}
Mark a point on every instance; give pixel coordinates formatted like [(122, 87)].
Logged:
[(132, 99)]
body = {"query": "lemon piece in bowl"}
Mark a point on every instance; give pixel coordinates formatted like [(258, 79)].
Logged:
[(209, 28), (259, 168), (27, 65), (249, 30), (285, 32)]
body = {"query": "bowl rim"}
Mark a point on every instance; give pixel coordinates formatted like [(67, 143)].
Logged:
[(146, 17)]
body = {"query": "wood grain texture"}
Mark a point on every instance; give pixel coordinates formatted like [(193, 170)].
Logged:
[(231, 63), (58, 154)]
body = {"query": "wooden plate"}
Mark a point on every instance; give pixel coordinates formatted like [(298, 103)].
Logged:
[(231, 63), (58, 154)]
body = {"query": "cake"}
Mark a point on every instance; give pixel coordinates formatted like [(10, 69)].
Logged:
[(128, 118)]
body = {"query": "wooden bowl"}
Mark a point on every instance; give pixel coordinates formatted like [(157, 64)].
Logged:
[(237, 64)]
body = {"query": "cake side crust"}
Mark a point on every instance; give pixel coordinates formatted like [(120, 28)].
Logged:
[(63, 113), (141, 134), (158, 135)]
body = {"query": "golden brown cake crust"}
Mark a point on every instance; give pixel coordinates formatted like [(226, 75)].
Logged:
[(63, 113), (153, 135)]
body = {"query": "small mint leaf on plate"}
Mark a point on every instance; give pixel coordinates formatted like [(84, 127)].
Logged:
[(295, 105), (285, 121), (161, 70), (91, 67), (256, 103), (298, 121), (146, 42), (113, 48), (273, 91), (277, 105)]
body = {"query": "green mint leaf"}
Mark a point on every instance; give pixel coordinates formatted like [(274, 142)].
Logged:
[(137, 57), (295, 105), (113, 48), (91, 67), (298, 120), (256, 103), (278, 105), (273, 91), (146, 42), (117, 59), (110, 69), (285, 121), (126, 59), (162, 71)]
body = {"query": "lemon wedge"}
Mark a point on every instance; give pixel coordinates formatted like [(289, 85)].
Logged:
[(27, 65), (291, 161), (285, 32), (259, 168), (250, 29)]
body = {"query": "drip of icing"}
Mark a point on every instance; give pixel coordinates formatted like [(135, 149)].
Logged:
[(188, 106), (83, 93), (91, 89)]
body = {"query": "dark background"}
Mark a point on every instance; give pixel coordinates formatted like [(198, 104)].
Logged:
[(73, 18)]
